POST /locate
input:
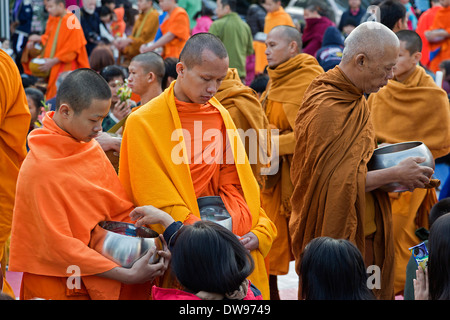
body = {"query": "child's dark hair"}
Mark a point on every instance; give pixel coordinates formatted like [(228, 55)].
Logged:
[(208, 257), (112, 71)]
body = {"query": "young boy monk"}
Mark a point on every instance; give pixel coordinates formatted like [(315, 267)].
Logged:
[(176, 148), (65, 188), (411, 107)]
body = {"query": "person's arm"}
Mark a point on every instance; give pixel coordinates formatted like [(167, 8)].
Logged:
[(408, 173), (161, 42)]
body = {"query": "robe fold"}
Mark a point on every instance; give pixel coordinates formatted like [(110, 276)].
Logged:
[(178, 24), (334, 141), (413, 110), (281, 101), (65, 188), (155, 168), (14, 124), (70, 48)]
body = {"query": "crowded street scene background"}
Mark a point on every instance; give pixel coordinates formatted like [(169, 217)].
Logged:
[(127, 111)]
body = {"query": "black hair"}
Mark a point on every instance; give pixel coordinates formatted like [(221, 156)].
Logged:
[(208, 257), (439, 209), (170, 64), (191, 55), (390, 12), (412, 39), (333, 269), (36, 95), (231, 3), (110, 72)]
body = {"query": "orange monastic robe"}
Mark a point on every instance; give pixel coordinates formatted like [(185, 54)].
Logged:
[(65, 188), (441, 21), (155, 168), (14, 125), (70, 48), (401, 111), (178, 24), (273, 19)]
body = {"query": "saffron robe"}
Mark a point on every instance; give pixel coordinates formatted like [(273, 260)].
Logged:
[(401, 111), (178, 24), (281, 102), (154, 169), (441, 21), (14, 124), (64, 189), (334, 142)]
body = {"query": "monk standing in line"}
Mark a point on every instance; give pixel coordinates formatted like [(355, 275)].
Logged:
[(64, 44), (175, 30), (14, 124), (66, 186), (334, 193), (183, 145), (411, 107), (290, 73)]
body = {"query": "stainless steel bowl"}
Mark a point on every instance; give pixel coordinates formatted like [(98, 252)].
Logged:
[(391, 155), (124, 243), (213, 209)]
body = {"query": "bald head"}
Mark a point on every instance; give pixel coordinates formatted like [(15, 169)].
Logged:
[(371, 39), (191, 55), (288, 34), (151, 62)]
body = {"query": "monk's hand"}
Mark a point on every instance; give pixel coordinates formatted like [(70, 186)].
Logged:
[(421, 291), (108, 142), (411, 175), (49, 63), (250, 241), (150, 215)]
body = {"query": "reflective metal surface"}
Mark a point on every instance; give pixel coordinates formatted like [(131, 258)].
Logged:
[(212, 208), (123, 242), (391, 155)]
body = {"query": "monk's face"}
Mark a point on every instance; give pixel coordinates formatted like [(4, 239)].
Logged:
[(271, 5), (406, 63), (87, 124), (166, 5), (378, 70), (55, 9), (200, 83), (144, 5), (137, 78), (278, 49)]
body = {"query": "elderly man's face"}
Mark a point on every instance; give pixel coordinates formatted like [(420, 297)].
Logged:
[(379, 70), (277, 49)]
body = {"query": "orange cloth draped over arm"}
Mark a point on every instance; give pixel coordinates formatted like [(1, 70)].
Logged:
[(401, 111), (154, 169), (178, 24), (273, 19), (334, 142), (65, 187), (144, 30), (246, 111), (441, 21), (14, 124)]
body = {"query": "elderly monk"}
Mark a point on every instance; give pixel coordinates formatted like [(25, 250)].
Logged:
[(14, 123), (64, 44), (290, 73), (175, 30), (144, 30), (401, 111), (276, 16), (245, 109), (66, 186), (334, 193), (183, 145)]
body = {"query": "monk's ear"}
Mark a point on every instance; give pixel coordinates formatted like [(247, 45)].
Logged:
[(180, 68), (65, 110), (151, 77), (417, 56), (360, 60)]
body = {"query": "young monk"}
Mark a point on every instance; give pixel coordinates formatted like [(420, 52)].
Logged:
[(334, 193), (64, 44), (401, 111), (175, 30), (183, 145), (15, 122), (290, 73), (66, 186)]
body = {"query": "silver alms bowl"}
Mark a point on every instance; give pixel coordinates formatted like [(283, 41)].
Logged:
[(212, 208), (391, 155), (124, 243)]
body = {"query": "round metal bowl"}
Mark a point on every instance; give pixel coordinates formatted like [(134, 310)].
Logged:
[(124, 243), (213, 209), (391, 155)]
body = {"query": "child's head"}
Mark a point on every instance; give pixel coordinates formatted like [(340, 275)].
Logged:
[(115, 77), (333, 269), (56, 8), (82, 102), (410, 53), (34, 99), (208, 257)]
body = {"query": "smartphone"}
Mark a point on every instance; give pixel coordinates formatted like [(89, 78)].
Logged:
[(420, 254)]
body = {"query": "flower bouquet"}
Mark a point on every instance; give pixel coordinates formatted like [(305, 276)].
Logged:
[(124, 92)]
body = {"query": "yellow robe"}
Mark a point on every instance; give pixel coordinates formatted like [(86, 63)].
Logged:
[(14, 124), (413, 110), (153, 143)]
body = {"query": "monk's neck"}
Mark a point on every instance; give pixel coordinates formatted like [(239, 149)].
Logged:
[(346, 69), (171, 10), (403, 77), (150, 94)]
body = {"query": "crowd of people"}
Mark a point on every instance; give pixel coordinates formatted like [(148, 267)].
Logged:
[(131, 111)]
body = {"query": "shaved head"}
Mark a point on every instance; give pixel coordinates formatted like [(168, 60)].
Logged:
[(371, 39), (191, 55), (289, 34), (151, 62)]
